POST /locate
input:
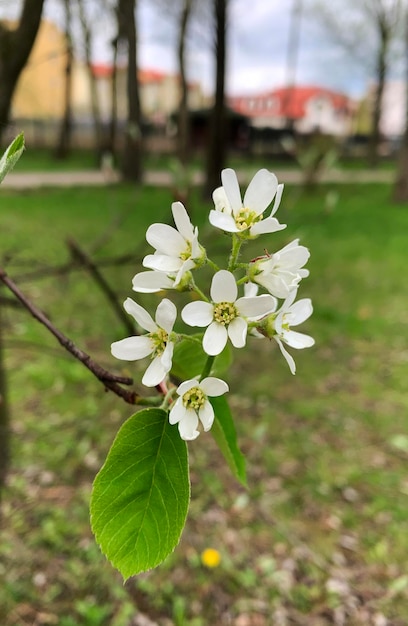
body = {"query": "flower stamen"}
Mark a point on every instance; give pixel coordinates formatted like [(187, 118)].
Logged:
[(194, 398), (246, 218), (225, 312), (159, 339)]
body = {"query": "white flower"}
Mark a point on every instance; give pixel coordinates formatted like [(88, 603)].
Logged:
[(234, 216), (291, 314), (193, 405), (226, 316), (152, 281), (156, 343), (177, 251), (282, 271)]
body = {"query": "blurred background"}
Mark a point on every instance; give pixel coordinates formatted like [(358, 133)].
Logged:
[(127, 106)]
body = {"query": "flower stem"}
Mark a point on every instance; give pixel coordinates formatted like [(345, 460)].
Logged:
[(236, 246), (198, 291), (213, 265), (207, 367)]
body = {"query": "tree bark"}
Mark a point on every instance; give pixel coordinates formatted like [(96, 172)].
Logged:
[(96, 114), (15, 48), (400, 192), (131, 166), (64, 140), (217, 144), (4, 418), (183, 117), (379, 92)]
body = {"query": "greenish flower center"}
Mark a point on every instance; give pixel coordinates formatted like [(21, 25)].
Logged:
[(187, 252), (246, 218), (194, 398), (225, 312), (160, 339)]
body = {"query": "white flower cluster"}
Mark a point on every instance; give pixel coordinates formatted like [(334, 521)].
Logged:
[(225, 315)]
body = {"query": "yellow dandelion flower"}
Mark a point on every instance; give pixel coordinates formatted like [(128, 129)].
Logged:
[(210, 557)]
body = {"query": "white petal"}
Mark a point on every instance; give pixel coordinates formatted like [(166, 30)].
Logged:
[(185, 267), (198, 313), (278, 198), (167, 356), (231, 187), (288, 357), (140, 314), (162, 263), (298, 340), (182, 220), (223, 221), (261, 191), (186, 386), (132, 348), (250, 290), (274, 284), (177, 411), (300, 311), (237, 332), (166, 314), (214, 386), (256, 306), (188, 425), (206, 415), (155, 373), (150, 282), (268, 225), (223, 287), (165, 239), (294, 257), (289, 301), (221, 201), (215, 338)]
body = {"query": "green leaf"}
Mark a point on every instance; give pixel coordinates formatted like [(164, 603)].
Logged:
[(11, 155), (225, 435), (189, 359), (140, 496)]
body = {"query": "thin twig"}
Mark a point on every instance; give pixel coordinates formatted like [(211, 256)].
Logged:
[(79, 255), (109, 380)]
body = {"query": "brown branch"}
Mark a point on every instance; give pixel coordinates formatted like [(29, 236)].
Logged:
[(66, 268), (79, 255), (109, 380)]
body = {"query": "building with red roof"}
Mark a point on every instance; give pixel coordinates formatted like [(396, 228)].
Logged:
[(305, 108)]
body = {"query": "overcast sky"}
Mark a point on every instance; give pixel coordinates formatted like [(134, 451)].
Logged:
[(257, 47)]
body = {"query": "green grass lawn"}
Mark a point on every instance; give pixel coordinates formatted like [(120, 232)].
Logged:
[(321, 535)]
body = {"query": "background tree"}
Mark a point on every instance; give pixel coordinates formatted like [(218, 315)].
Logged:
[(15, 48), (64, 139), (183, 117), (368, 30), (87, 36), (401, 184), (131, 166), (217, 141)]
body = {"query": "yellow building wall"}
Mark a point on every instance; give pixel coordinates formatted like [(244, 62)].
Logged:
[(40, 89)]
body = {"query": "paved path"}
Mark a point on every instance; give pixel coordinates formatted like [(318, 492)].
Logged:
[(30, 180)]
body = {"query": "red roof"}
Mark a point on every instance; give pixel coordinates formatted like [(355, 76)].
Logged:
[(287, 102), (104, 70)]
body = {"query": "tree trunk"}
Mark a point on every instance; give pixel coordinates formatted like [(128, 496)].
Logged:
[(183, 117), (15, 48), (113, 121), (400, 193), (4, 418), (131, 166), (96, 114), (64, 140), (217, 144), (381, 77)]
